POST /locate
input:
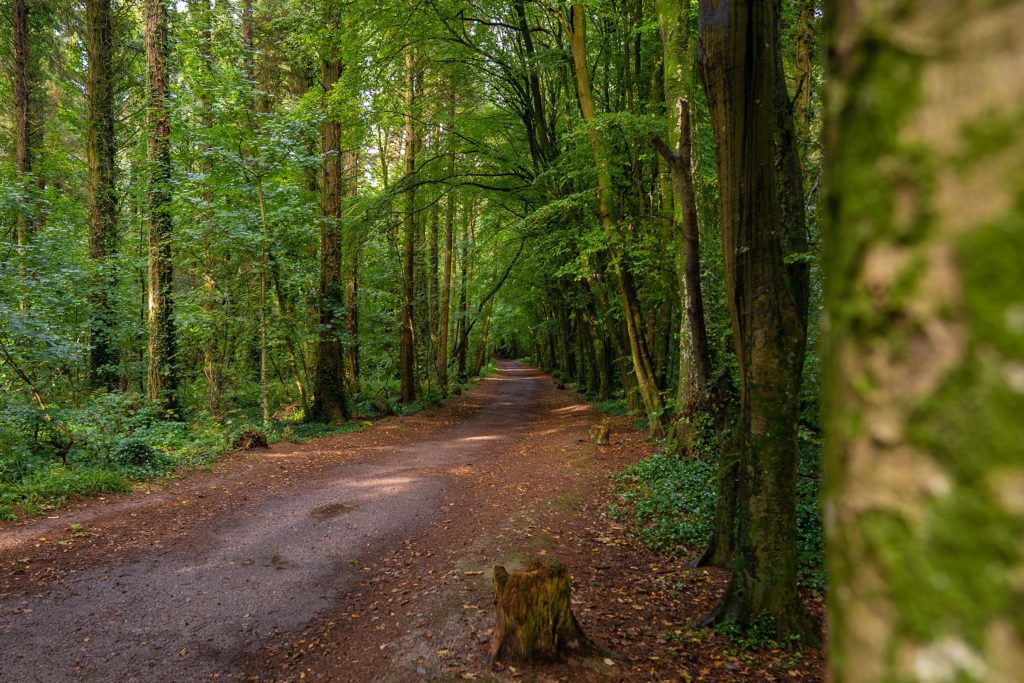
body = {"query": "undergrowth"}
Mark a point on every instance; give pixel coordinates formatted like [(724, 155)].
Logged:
[(49, 456), (668, 503)]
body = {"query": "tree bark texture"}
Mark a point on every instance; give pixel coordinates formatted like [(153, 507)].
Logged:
[(101, 152), (535, 620), (737, 53), (924, 478)]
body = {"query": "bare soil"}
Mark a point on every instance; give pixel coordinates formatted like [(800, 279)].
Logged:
[(366, 556)]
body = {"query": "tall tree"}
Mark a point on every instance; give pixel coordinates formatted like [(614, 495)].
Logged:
[(694, 352), (201, 13), (101, 152), (642, 366), (446, 282), (162, 374), (407, 342), (925, 346), (738, 58), (24, 152), (330, 399)]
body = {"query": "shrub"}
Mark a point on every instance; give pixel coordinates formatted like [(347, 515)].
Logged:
[(136, 457)]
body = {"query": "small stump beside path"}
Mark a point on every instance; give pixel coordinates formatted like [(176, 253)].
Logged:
[(535, 620)]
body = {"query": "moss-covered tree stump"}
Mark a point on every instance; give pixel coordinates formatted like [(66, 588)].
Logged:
[(535, 619)]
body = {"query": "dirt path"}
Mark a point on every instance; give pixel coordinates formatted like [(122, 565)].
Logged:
[(360, 557)]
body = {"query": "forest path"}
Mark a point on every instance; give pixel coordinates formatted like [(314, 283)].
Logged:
[(201, 577)]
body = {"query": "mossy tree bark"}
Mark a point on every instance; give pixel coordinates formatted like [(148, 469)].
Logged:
[(353, 250), (330, 399), (101, 152), (162, 373), (924, 490), (679, 55), (738, 46)]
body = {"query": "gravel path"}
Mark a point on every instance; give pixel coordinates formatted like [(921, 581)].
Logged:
[(220, 587)]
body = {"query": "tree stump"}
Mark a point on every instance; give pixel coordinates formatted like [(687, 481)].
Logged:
[(600, 434), (535, 619), (250, 439)]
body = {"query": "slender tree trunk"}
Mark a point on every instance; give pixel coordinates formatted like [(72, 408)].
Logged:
[(162, 375), (446, 286), (924, 350), (463, 329), (642, 366), (353, 251), (804, 77), (285, 311), (433, 261), (264, 323), (407, 345), (23, 152), (694, 357), (101, 152), (330, 400), (201, 9), (482, 355), (738, 58)]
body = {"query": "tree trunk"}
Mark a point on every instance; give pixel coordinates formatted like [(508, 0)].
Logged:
[(23, 151), (353, 251), (202, 12), (433, 261), (923, 477), (482, 355), (330, 400), (407, 345), (463, 330), (446, 286), (738, 45), (643, 369), (101, 152), (162, 375), (695, 355)]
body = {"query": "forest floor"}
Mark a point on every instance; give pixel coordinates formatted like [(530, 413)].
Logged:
[(366, 556)]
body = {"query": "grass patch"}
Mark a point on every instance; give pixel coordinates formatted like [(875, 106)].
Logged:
[(308, 431), (51, 488)]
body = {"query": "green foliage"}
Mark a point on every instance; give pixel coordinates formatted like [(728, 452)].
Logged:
[(758, 635), (668, 501), (47, 456), (135, 456), (307, 431), (614, 406)]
